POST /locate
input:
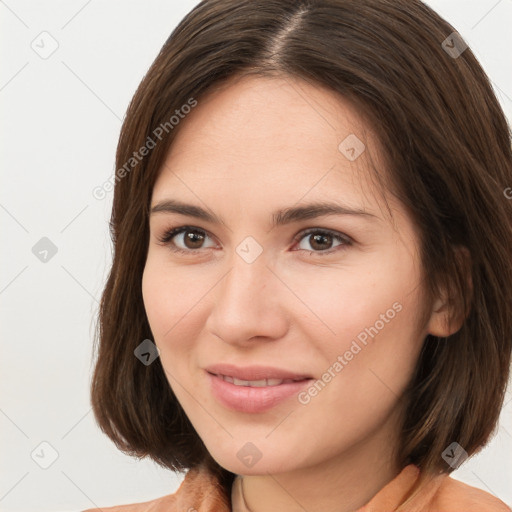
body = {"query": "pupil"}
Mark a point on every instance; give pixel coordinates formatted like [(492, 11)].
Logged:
[(316, 238), (193, 236)]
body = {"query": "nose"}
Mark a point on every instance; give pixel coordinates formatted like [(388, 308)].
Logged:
[(249, 302)]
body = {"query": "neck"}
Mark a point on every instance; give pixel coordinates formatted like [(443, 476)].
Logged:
[(343, 483)]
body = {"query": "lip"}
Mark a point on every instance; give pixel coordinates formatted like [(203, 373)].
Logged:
[(254, 372), (254, 400)]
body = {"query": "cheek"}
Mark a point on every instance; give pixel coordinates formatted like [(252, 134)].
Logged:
[(367, 367), (377, 362), (166, 309), (368, 335), (367, 294), (157, 301), (170, 297), (172, 300)]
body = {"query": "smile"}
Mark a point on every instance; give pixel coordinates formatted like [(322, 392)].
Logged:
[(256, 383), (254, 396)]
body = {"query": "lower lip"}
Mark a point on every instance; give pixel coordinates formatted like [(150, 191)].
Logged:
[(253, 399)]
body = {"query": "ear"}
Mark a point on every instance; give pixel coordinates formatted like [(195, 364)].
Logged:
[(448, 312)]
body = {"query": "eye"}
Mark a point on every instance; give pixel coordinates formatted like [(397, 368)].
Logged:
[(192, 240), (319, 239)]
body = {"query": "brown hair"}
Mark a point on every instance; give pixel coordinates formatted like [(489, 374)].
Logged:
[(448, 149)]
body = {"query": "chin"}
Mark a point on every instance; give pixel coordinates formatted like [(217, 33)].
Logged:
[(248, 460), (260, 468)]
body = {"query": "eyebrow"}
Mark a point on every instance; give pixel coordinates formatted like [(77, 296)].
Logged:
[(279, 217)]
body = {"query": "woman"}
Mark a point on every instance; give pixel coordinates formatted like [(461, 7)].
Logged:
[(309, 304)]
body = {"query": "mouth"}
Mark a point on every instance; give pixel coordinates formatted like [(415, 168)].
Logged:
[(261, 383), (255, 375), (254, 395)]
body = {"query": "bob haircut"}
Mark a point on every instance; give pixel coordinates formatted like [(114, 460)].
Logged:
[(448, 151)]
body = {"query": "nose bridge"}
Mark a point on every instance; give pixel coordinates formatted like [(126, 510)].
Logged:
[(249, 276), (246, 300)]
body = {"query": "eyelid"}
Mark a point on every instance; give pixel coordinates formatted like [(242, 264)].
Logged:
[(168, 234), (335, 234)]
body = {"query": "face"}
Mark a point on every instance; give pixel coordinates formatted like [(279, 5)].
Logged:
[(330, 299)]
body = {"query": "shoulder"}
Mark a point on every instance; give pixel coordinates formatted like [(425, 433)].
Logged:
[(200, 491), (165, 503), (456, 496)]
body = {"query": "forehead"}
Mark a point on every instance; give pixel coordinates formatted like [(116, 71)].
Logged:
[(260, 137)]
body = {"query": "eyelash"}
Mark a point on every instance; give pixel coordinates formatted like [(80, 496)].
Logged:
[(166, 239)]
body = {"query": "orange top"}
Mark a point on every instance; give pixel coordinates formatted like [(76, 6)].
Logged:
[(201, 492)]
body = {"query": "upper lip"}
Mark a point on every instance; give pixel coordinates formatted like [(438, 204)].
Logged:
[(254, 372)]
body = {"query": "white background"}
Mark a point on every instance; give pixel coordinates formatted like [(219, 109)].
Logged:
[(61, 118)]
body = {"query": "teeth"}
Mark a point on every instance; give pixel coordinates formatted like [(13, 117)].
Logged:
[(256, 383)]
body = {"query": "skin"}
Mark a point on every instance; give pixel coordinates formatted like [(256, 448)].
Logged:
[(248, 149)]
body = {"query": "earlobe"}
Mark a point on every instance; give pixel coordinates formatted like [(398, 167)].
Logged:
[(442, 321), (448, 312)]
